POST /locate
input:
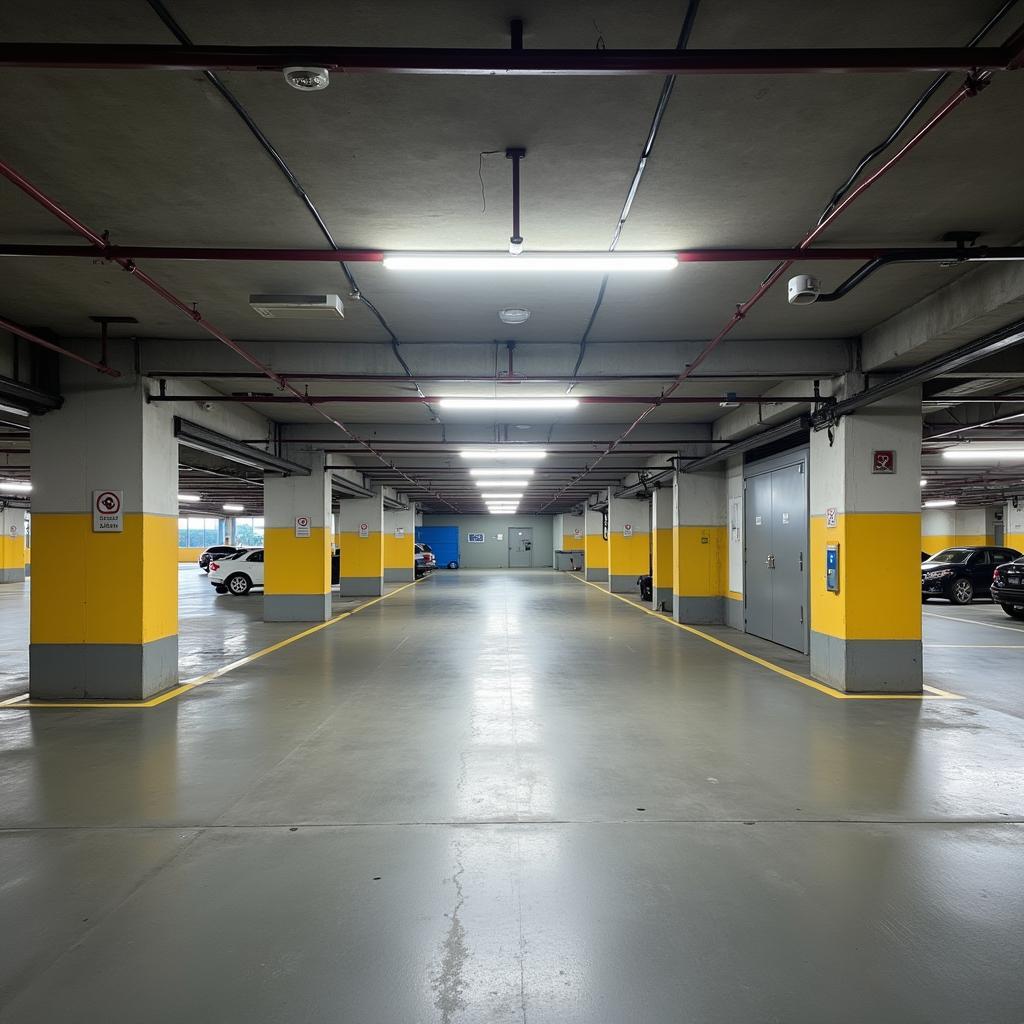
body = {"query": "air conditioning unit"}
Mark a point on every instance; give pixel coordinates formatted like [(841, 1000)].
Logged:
[(298, 307)]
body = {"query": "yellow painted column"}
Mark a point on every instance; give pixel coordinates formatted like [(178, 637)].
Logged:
[(1013, 531), (297, 545), (629, 543), (595, 547), (104, 601), (362, 545), (699, 547), (662, 561), (866, 626), (12, 545), (399, 545)]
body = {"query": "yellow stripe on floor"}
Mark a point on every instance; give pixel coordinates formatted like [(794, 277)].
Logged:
[(933, 692), (24, 702)]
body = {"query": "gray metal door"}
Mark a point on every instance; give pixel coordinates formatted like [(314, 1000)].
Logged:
[(757, 533), (775, 589), (520, 548)]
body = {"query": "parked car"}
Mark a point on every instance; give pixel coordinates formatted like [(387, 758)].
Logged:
[(238, 573), (425, 560), (1008, 588), (960, 574), (217, 551)]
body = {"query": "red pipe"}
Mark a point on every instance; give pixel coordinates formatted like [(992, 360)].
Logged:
[(965, 92), (81, 229), (437, 61), (13, 328)]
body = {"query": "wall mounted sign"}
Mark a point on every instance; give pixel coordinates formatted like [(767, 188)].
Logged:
[(627, 529), (475, 538), (302, 526), (399, 532), (883, 462), (364, 529), (107, 516), (831, 515)]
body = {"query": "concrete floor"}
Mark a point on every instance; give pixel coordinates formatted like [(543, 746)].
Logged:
[(510, 797)]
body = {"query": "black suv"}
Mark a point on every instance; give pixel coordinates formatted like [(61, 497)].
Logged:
[(217, 551), (1008, 588), (961, 574)]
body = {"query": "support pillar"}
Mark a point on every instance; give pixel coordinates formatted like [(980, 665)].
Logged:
[(104, 605), (361, 526), (595, 547), (699, 547), (399, 541), (297, 544), (1013, 531), (867, 636), (12, 545), (629, 543), (663, 569), (573, 532)]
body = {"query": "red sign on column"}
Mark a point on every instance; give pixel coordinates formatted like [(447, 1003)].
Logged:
[(883, 462)]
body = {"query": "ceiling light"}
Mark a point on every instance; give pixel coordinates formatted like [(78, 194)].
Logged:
[(524, 471), (15, 486), (307, 79), (996, 454), (13, 409), (502, 483), (233, 508), (505, 453), (495, 263), (502, 511), (509, 403), (924, 483), (940, 503), (189, 497), (514, 315), (518, 494)]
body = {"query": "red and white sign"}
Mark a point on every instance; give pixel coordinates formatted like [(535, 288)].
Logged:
[(364, 529), (831, 515), (107, 516), (302, 526), (627, 529), (883, 462)]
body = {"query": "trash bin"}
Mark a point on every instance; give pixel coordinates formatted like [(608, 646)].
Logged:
[(568, 561)]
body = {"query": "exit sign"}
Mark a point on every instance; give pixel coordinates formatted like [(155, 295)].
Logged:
[(883, 462)]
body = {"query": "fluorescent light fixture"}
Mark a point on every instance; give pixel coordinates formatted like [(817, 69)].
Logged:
[(502, 263), (515, 471), (924, 483), (189, 497), (13, 409), (500, 454), (233, 508), (995, 454), (15, 486), (502, 511), (549, 404), (498, 494), (502, 483), (940, 503)]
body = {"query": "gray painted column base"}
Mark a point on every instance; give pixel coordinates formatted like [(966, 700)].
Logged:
[(696, 611), (399, 575), (867, 666), (662, 598), (596, 575), (361, 586), (12, 575), (102, 671), (296, 607), (734, 614), (624, 584)]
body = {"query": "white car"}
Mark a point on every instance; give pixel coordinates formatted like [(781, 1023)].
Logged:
[(238, 573)]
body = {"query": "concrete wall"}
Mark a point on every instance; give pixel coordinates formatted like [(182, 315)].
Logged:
[(947, 527), (493, 554)]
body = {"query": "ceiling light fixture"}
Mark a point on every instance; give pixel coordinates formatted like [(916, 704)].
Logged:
[(15, 486), (924, 483), (518, 494), (514, 315), (554, 262), (233, 508), (502, 483), (189, 497), (509, 403), (499, 454), (940, 503), (13, 409), (307, 79), (524, 471), (996, 454)]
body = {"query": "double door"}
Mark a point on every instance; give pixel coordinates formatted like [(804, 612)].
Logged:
[(776, 556)]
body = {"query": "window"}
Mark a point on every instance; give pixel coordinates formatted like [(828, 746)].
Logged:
[(256, 556), (951, 555), (248, 531), (198, 531)]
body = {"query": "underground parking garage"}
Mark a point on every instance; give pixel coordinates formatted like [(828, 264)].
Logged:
[(512, 515)]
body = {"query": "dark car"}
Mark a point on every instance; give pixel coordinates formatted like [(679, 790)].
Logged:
[(960, 574), (217, 551), (1008, 588)]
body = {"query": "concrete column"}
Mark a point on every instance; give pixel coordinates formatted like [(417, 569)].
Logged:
[(556, 538), (595, 547), (629, 543), (399, 538), (1013, 535), (104, 606), (297, 554), (699, 547), (573, 533), (661, 546), (734, 610), (12, 545), (867, 636), (361, 526)]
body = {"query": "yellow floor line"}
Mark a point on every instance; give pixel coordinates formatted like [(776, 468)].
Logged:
[(23, 701), (934, 693)]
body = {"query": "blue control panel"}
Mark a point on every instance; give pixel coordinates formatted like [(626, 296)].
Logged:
[(832, 568)]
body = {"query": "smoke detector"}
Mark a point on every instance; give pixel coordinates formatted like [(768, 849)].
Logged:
[(298, 307), (513, 315), (307, 79)]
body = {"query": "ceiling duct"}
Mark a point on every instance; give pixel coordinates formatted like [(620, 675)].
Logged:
[(192, 435), (298, 307)]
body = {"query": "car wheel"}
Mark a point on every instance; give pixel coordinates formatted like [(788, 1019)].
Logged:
[(961, 591), (220, 588), (1014, 611), (239, 584)]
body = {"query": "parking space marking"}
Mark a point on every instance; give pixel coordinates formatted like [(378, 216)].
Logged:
[(933, 692), (973, 622), (985, 647), (23, 702)]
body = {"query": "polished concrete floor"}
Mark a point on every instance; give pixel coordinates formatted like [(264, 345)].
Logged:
[(510, 797)]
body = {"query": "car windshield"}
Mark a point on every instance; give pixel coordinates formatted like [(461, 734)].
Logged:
[(235, 555), (952, 556)]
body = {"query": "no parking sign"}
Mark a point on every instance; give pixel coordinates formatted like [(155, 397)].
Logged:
[(302, 526), (107, 516)]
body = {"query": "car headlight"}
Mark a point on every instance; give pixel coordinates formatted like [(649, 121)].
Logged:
[(938, 574)]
